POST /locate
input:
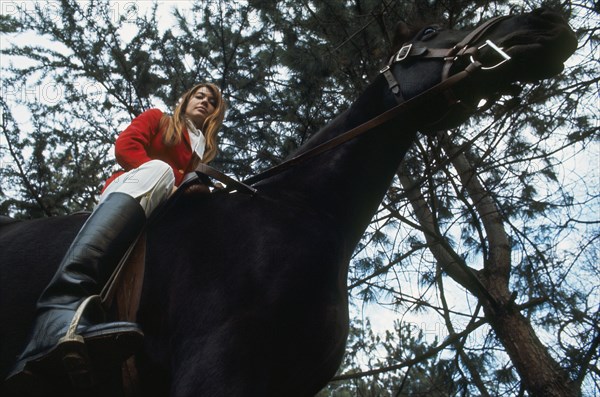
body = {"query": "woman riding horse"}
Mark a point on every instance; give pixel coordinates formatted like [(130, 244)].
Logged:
[(157, 152)]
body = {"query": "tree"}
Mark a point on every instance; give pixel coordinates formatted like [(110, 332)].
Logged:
[(490, 230), (421, 377)]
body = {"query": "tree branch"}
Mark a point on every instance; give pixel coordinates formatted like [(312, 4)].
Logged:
[(22, 174), (497, 265), (428, 354), (450, 261), (460, 344)]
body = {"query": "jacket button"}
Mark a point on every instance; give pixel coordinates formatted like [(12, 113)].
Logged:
[(180, 171)]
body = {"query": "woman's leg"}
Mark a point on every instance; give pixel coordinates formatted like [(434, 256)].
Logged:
[(103, 240), (150, 184)]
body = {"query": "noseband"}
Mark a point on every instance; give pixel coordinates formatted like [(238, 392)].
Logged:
[(464, 48)]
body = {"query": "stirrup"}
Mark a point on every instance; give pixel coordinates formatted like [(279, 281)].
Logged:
[(74, 353)]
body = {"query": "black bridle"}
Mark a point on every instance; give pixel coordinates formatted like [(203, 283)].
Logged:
[(465, 48)]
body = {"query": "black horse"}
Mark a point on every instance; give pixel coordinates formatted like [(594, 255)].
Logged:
[(245, 295)]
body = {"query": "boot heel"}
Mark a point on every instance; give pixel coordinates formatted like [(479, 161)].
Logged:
[(73, 351), (77, 365)]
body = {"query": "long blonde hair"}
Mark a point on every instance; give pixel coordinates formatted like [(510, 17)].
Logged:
[(174, 125)]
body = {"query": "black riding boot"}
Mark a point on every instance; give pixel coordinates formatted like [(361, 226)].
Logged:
[(88, 264)]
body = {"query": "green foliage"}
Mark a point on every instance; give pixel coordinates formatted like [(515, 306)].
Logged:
[(432, 376)]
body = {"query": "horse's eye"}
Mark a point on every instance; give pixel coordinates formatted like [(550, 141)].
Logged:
[(428, 32)]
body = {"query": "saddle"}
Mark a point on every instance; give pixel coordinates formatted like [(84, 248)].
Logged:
[(121, 296)]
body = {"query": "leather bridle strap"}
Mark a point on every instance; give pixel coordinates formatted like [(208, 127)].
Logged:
[(369, 125), (464, 47), (475, 35), (231, 183)]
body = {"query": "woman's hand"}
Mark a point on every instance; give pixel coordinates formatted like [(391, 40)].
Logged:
[(197, 188)]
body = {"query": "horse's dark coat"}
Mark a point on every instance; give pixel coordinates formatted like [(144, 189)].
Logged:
[(246, 296), (27, 263)]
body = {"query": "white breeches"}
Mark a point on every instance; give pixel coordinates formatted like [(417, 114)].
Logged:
[(151, 184)]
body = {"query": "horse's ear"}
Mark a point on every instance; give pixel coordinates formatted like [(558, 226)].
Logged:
[(402, 33)]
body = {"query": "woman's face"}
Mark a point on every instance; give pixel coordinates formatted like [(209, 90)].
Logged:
[(200, 105)]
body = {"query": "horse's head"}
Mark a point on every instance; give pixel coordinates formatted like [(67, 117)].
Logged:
[(493, 56)]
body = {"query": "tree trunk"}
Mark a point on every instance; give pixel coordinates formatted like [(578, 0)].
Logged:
[(540, 373)]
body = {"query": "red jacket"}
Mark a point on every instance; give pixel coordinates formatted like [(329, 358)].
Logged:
[(142, 141)]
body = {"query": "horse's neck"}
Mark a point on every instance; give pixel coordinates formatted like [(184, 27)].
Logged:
[(349, 182)]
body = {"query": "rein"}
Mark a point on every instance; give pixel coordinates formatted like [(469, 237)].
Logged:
[(464, 48)]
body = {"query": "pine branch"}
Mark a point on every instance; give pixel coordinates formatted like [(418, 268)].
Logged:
[(418, 359), (22, 174), (450, 261), (459, 345), (497, 264)]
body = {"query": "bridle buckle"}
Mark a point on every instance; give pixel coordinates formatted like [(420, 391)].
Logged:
[(504, 56), (403, 53)]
